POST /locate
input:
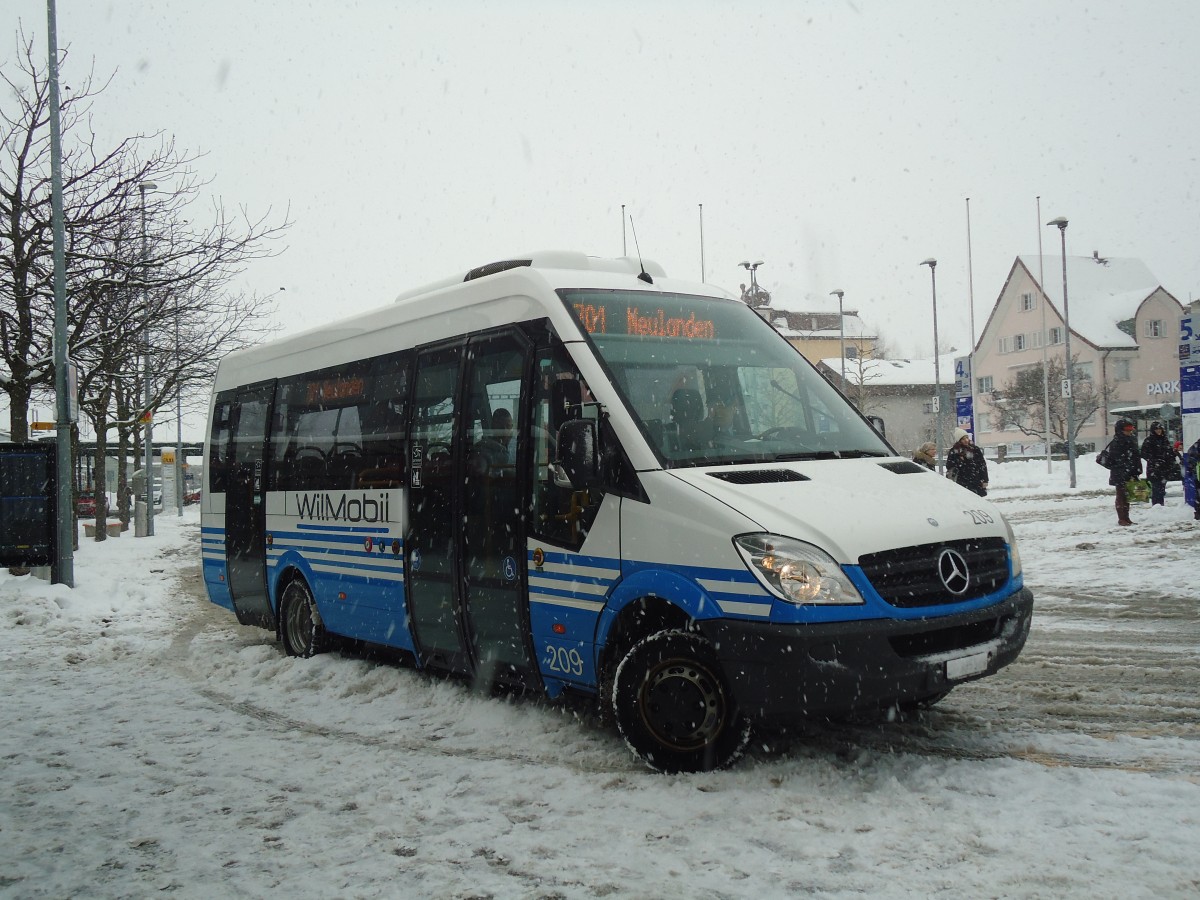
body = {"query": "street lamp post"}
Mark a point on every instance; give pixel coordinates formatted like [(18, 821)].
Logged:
[(937, 369), (178, 420), (1045, 342), (149, 463), (841, 333), (63, 570), (1061, 223)]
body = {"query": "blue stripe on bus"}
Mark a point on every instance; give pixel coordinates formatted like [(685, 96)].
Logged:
[(575, 559), (539, 574), (339, 535), (572, 595), (337, 551), (361, 529), (343, 563)]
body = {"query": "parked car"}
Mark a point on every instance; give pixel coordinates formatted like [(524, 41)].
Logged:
[(85, 505)]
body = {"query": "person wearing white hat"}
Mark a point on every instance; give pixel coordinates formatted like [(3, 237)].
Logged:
[(965, 464)]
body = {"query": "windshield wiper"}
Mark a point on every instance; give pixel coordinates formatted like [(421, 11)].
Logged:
[(811, 454), (827, 454)]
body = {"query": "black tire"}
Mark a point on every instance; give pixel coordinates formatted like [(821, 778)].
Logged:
[(673, 706), (299, 622)]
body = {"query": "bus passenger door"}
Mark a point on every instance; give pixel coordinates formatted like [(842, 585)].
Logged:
[(494, 485), (431, 574), (245, 513)]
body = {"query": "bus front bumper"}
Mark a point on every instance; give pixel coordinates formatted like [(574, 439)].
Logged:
[(782, 673)]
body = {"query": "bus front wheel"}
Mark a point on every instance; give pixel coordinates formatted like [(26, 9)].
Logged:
[(673, 706), (300, 623)]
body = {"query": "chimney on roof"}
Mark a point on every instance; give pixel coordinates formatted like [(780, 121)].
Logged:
[(1098, 258)]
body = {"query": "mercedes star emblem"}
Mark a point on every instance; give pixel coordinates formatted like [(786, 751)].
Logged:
[(952, 568)]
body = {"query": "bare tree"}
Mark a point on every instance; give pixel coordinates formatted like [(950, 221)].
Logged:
[(147, 280), (1020, 405), (863, 369), (115, 288)]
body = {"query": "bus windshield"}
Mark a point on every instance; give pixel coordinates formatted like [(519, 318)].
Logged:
[(709, 382)]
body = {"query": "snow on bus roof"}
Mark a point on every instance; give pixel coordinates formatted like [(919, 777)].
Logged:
[(569, 260)]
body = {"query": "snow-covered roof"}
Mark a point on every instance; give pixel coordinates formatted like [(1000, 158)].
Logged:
[(853, 326), (896, 372), (795, 299), (1100, 294)]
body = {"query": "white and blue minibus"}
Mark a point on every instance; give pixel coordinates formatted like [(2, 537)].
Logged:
[(568, 474)]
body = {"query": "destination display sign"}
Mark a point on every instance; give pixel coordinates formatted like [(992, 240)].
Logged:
[(333, 391), (640, 315)]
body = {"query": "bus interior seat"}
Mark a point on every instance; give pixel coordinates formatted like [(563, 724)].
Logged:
[(654, 427), (309, 466), (687, 411)]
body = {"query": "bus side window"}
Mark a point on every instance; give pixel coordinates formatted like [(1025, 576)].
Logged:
[(310, 448), (220, 447), (382, 419), (346, 453), (560, 515)]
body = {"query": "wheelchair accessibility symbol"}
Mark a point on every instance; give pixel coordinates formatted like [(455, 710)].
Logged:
[(510, 569), (414, 560)]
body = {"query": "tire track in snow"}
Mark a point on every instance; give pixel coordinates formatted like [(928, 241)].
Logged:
[(1079, 678)]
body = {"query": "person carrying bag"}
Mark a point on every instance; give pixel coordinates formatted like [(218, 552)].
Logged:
[(1124, 464), (1162, 461)]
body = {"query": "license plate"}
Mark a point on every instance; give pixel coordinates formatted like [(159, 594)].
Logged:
[(966, 666)]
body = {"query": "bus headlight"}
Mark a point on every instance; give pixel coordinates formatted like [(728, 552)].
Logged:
[(1014, 553), (795, 571)]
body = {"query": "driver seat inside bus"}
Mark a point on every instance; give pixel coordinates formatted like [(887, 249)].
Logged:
[(687, 412)]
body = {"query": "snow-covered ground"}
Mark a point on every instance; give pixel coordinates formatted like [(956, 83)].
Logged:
[(151, 746)]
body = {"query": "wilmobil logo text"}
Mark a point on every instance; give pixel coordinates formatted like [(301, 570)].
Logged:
[(321, 506)]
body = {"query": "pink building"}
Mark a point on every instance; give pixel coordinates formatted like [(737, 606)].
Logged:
[(1124, 330)]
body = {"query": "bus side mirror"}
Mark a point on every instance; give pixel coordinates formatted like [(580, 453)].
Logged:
[(877, 424), (565, 397), (578, 464)]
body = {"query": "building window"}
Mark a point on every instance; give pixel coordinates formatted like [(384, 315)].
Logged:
[(1082, 370), (1028, 302), (1154, 328), (1005, 345), (1019, 342), (1056, 335), (984, 383), (1120, 369), (1035, 339), (851, 352)]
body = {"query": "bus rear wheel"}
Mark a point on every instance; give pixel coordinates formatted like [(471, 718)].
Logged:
[(300, 623), (673, 707)]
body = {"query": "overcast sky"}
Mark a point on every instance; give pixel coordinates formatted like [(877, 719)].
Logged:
[(835, 141)]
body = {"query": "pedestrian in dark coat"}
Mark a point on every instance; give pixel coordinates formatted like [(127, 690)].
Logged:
[(1162, 462), (965, 464), (1123, 464)]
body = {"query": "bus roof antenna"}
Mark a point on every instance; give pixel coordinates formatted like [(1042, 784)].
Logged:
[(645, 276)]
